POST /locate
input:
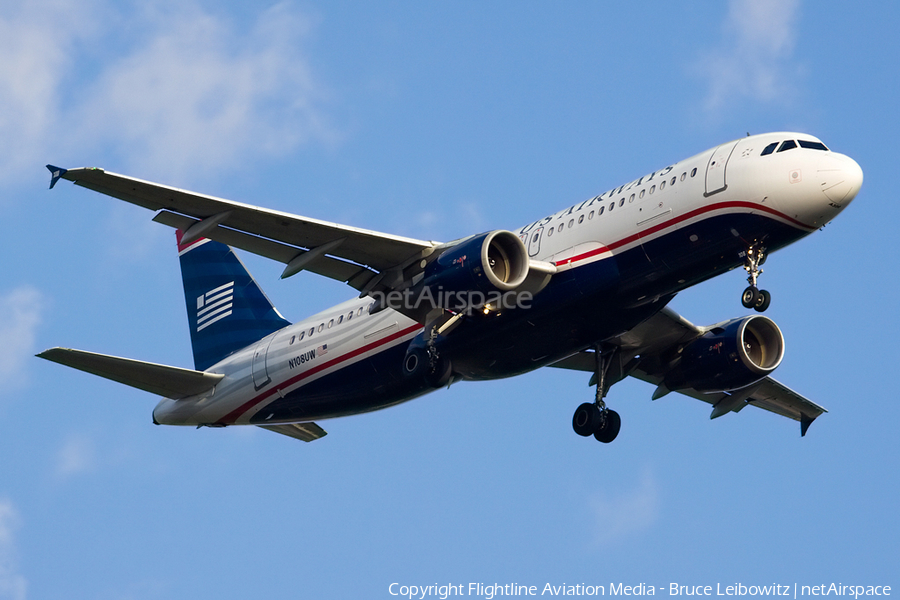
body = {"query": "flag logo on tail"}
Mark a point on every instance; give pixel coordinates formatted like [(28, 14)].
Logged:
[(214, 305)]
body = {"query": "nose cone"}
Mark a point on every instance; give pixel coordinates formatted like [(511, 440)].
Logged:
[(840, 177)]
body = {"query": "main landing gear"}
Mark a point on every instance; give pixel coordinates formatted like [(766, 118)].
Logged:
[(595, 418), (754, 297)]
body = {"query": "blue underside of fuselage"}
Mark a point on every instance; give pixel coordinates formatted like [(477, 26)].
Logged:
[(580, 307)]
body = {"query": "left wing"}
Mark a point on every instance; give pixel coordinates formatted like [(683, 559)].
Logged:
[(641, 352), (366, 260)]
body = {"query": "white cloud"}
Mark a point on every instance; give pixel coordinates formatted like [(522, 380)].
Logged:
[(20, 315), (12, 585), (168, 86), (75, 456), (753, 60), (628, 512)]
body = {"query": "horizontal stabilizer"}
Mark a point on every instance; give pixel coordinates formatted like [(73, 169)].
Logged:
[(162, 380), (55, 174), (305, 432)]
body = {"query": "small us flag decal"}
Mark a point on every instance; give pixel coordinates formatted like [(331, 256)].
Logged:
[(214, 305)]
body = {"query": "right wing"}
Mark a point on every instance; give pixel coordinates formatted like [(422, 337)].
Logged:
[(644, 351), (366, 260)]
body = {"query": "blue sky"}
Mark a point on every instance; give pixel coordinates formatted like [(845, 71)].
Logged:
[(434, 121)]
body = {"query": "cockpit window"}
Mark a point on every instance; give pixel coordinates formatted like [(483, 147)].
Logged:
[(813, 145), (769, 149), (788, 145)]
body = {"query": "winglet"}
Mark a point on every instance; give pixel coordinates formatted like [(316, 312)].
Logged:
[(805, 422), (55, 174)]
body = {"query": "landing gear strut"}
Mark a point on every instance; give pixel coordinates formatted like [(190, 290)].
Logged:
[(423, 360), (595, 418), (754, 297)]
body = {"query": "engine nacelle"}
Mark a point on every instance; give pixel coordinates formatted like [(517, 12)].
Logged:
[(730, 356), (496, 261)]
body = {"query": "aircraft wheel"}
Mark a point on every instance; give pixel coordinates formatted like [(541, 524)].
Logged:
[(750, 297), (441, 374), (608, 431), (763, 301), (586, 419)]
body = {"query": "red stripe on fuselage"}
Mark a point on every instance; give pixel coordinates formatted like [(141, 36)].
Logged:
[(233, 416), (688, 215)]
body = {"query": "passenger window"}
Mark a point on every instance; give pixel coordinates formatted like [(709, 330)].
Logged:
[(340, 319), (813, 145), (787, 145), (590, 215), (349, 315), (311, 330), (652, 189), (693, 171), (359, 312), (581, 219), (683, 175), (550, 232), (612, 205), (622, 202), (600, 212), (571, 223), (631, 199), (769, 149), (560, 228), (641, 195), (672, 182), (302, 333), (662, 186)]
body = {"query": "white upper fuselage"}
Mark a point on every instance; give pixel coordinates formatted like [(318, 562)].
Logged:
[(800, 187)]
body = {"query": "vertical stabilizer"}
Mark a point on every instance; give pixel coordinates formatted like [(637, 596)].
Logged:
[(226, 308)]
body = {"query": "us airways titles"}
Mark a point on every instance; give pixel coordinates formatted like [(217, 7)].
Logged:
[(609, 195)]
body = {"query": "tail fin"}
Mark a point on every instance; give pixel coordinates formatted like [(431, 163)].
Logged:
[(226, 308)]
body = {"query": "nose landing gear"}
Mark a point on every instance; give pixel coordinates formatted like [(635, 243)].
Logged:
[(754, 297), (594, 417)]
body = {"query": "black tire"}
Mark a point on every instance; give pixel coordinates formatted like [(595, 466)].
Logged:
[(441, 374), (762, 303), (750, 297), (586, 419), (609, 429)]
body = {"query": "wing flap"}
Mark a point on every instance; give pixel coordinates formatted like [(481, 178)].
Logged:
[(326, 266), (162, 380), (305, 432)]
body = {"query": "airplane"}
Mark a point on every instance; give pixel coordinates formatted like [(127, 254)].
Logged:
[(584, 288)]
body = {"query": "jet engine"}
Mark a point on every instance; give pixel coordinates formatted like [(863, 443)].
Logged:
[(730, 356), (496, 261)]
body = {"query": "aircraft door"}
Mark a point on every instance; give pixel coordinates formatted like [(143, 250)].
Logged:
[(715, 170), (258, 367), (534, 241)]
